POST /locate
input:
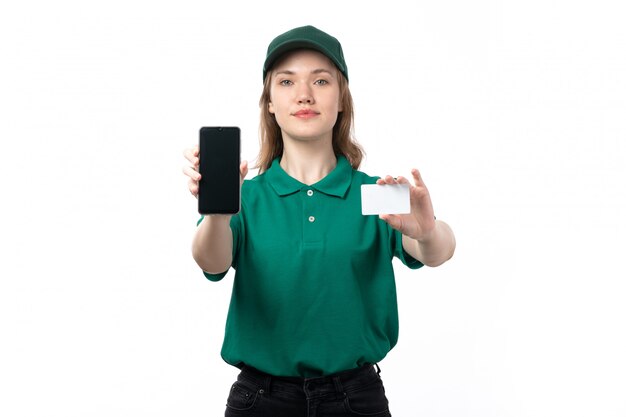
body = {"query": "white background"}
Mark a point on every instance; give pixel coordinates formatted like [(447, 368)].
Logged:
[(514, 111)]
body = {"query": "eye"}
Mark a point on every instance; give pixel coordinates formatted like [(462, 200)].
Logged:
[(285, 82), (321, 82)]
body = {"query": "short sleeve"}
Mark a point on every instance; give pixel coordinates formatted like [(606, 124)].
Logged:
[(399, 252), (235, 227)]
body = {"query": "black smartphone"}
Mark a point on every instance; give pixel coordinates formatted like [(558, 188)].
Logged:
[(219, 185)]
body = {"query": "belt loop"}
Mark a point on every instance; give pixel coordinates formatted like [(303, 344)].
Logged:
[(377, 368), (267, 382), (338, 386)]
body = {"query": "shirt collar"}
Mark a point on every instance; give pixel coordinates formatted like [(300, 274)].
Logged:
[(336, 183)]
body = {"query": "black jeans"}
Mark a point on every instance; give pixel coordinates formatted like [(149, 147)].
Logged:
[(357, 392)]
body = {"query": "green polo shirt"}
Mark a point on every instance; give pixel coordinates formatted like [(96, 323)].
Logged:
[(314, 290)]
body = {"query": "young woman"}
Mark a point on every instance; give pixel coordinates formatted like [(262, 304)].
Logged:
[(313, 307)]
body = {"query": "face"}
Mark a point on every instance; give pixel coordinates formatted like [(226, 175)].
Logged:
[(304, 96)]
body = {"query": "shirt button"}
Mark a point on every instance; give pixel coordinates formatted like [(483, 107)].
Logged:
[(311, 219), (309, 193)]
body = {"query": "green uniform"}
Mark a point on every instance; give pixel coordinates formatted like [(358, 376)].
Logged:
[(314, 290)]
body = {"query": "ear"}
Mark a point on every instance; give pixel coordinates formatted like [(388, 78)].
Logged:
[(270, 107)]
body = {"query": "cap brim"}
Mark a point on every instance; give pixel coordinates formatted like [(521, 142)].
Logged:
[(294, 44)]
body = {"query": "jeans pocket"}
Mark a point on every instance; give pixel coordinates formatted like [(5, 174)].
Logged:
[(241, 397), (368, 401)]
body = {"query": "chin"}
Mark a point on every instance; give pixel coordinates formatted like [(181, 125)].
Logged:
[(309, 134), (309, 137)]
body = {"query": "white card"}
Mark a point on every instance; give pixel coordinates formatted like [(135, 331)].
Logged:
[(385, 199)]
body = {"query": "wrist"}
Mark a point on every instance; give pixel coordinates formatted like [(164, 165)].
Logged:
[(428, 236), (213, 220)]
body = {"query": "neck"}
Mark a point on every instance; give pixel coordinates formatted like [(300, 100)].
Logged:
[(308, 162)]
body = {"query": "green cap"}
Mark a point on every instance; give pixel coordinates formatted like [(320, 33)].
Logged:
[(307, 37)]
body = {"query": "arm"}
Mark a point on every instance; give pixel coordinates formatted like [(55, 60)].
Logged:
[(428, 240), (433, 250), (212, 246)]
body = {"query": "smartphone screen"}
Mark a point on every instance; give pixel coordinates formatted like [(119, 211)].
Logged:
[(219, 185)]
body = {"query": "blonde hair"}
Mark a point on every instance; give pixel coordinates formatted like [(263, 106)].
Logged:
[(344, 142)]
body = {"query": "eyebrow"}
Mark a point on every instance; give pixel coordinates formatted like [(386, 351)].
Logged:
[(315, 71)]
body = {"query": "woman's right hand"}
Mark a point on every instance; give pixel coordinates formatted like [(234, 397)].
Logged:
[(193, 157)]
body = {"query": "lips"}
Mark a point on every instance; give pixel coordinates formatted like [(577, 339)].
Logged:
[(306, 113)]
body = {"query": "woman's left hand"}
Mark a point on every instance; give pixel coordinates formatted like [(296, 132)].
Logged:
[(420, 223)]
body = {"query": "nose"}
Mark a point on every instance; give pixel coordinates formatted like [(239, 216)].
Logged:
[(305, 95)]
